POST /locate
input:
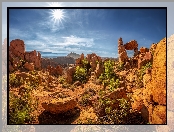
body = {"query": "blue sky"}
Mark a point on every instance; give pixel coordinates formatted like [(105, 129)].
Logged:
[(85, 30)]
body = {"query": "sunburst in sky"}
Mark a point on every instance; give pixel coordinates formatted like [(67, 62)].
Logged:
[(57, 15)]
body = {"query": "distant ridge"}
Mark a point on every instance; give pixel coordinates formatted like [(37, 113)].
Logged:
[(73, 55)]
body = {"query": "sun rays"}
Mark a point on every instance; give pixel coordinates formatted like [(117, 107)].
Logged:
[(57, 15)]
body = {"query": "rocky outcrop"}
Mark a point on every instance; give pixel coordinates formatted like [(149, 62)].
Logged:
[(131, 45), (151, 100), (144, 58), (34, 57), (122, 51), (56, 71), (17, 48), (70, 74), (159, 73), (18, 55)]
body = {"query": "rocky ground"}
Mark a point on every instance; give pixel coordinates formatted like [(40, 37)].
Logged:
[(93, 91)]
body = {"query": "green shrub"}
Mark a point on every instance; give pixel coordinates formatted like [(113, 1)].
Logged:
[(117, 115), (21, 107), (15, 82), (113, 84), (109, 77), (80, 74)]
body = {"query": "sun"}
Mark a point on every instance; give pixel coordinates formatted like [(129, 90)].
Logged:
[(57, 15)]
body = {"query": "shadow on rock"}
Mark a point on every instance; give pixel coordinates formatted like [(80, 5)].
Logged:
[(64, 118)]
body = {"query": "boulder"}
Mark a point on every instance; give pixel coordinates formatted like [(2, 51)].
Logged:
[(29, 66), (57, 106)]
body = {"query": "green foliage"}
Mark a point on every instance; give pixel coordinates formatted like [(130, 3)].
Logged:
[(85, 99), (80, 74), (85, 63), (21, 107), (117, 115), (15, 82), (113, 84), (108, 78)]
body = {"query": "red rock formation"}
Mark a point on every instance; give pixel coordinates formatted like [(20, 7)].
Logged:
[(17, 54), (55, 70), (121, 51), (131, 45), (69, 75), (17, 47), (32, 57)]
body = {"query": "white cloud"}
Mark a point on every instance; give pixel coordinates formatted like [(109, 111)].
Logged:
[(73, 40)]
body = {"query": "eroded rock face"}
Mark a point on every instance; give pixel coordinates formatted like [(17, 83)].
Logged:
[(56, 106), (131, 45), (69, 74), (17, 48), (144, 58), (32, 57), (155, 90), (159, 73), (144, 50), (122, 51), (17, 55), (55, 70)]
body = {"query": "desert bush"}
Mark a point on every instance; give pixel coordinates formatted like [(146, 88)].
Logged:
[(21, 107), (15, 82), (80, 74), (113, 84), (109, 77), (114, 116), (85, 100)]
